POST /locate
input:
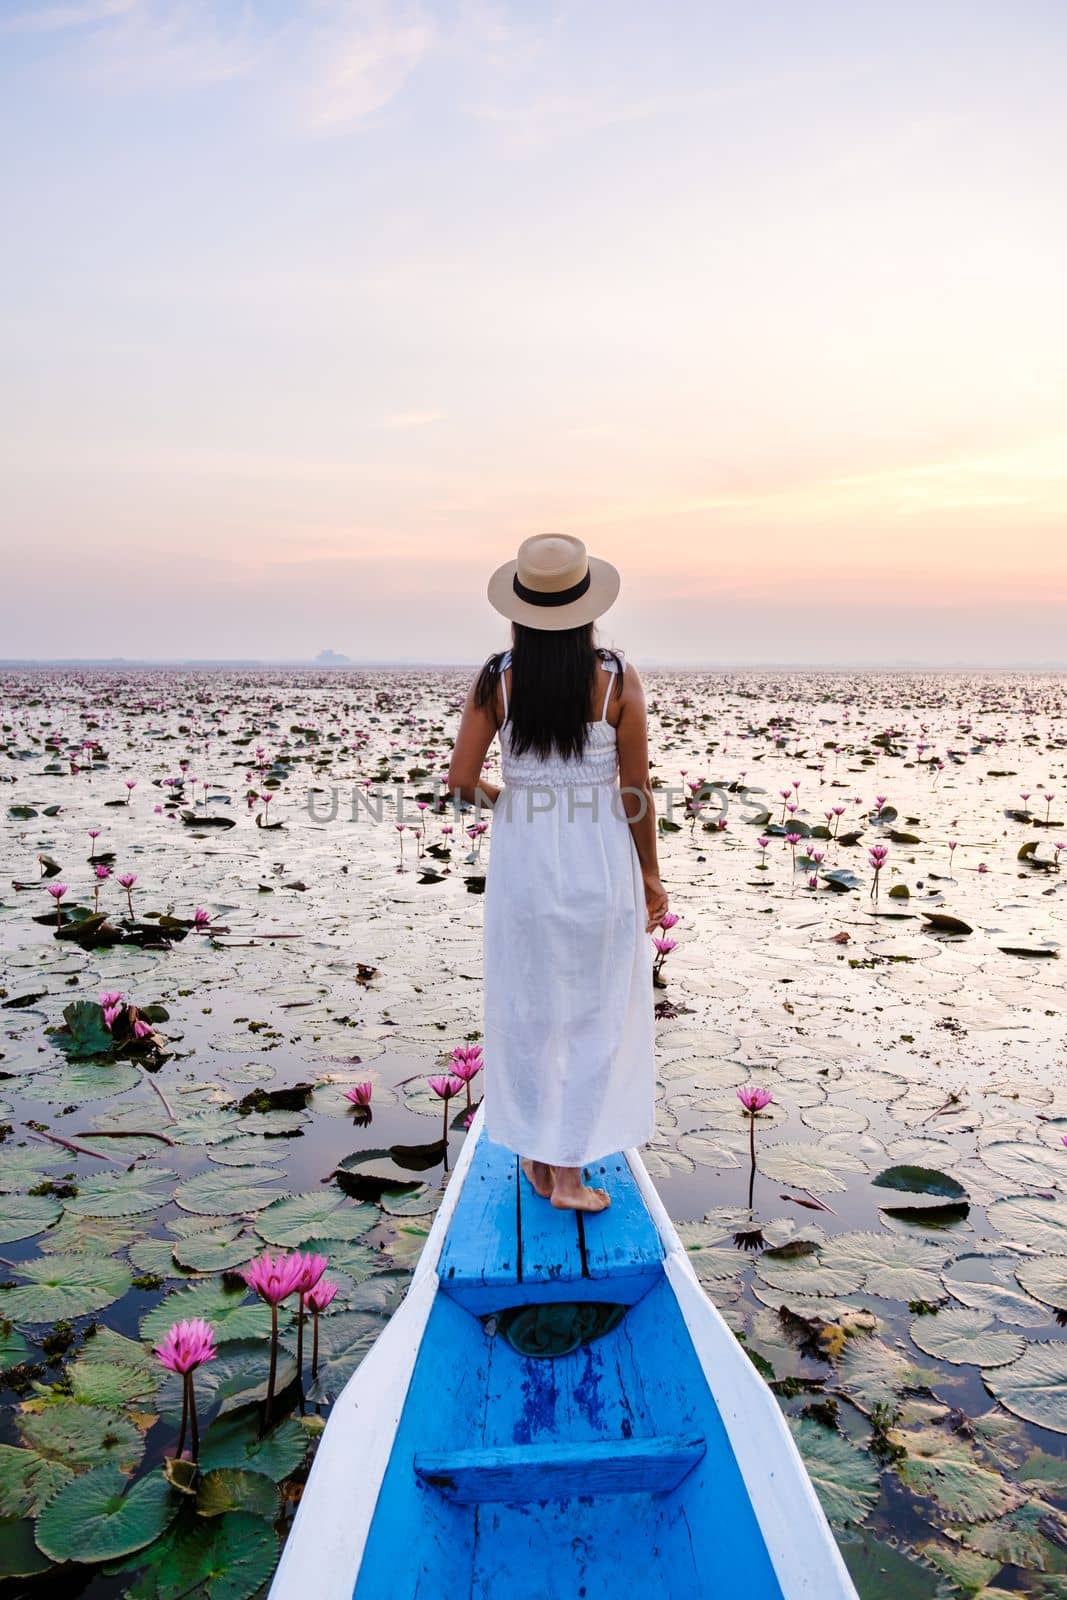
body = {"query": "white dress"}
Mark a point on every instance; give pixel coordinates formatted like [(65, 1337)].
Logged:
[(569, 1024)]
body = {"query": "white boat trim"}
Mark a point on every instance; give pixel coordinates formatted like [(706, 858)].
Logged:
[(799, 1541), (322, 1556)]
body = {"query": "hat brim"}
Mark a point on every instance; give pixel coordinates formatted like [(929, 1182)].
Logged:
[(603, 591)]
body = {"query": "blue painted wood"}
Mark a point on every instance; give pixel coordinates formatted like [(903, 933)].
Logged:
[(622, 1240), (480, 1259), (551, 1253), (472, 1391), (507, 1246), (519, 1473)]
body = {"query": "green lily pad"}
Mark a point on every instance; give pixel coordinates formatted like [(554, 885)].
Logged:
[(215, 1249), (965, 1337), (231, 1489), (1036, 1220), (802, 1268), (22, 1215), (122, 1194), (77, 1435), (1035, 1386), (228, 1557), (920, 1181), (233, 1442), (821, 1168), (99, 1516), (64, 1286), (1026, 1163), (19, 1555), (230, 1311), (321, 1214), (894, 1267), (1045, 1277), (947, 1468), (13, 1348), (226, 1193), (988, 1283), (844, 1478), (28, 1480)]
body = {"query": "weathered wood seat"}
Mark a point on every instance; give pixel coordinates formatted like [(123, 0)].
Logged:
[(520, 1474), (507, 1246)]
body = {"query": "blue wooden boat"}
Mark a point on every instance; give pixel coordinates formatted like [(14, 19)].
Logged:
[(637, 1452)]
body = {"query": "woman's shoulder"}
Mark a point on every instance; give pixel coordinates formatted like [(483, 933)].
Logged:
[(612, 660)]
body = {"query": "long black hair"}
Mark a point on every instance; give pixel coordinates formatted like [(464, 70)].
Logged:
[(552, 677)]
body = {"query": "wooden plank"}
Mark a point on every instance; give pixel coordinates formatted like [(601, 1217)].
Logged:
[(622, 1241), (551, 1253), (481, 1251), (536, 1472)]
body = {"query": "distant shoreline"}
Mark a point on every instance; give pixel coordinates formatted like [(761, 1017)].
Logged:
[(123, 664)]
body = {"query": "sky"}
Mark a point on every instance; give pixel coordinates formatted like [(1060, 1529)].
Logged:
[(312, 310)]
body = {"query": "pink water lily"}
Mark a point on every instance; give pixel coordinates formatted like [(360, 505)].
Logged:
[(318, 1298), (668, 920), (754, 1099), (446, 1088), (466, 1063), (188, 1345), (359, 1094), (274, 1281), (57, 891), (312, 1268)]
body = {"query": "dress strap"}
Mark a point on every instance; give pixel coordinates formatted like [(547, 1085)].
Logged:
[(505, 662), (609, 667)]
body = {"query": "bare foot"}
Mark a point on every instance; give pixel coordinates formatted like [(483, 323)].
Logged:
[(580, 1198), (541, 1177)]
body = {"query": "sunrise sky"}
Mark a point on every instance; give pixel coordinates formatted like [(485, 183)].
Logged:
[(309, 312)]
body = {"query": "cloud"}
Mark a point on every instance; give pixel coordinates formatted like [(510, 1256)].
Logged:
[(413, 419), (362, 58), (56, 19)]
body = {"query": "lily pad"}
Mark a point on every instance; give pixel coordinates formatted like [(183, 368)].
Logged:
[(229, 1193), (964, 1336), (320, 1214), (821, 1168), (22, 1215), (231, 1312), (231, 1489), (77, 1435), (947, 1468), (844, 1478), (99, 1516), (122, 1194), (1035, 1386), (1045, 1277), (894, 1267), (64, 1286)]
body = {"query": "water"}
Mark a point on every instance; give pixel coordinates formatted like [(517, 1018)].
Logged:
[(896, 1046)]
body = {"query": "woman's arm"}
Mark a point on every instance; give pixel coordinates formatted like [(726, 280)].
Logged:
[(476, 731), (637, 796)]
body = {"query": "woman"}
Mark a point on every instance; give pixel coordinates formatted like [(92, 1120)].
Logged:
[(574, 886)]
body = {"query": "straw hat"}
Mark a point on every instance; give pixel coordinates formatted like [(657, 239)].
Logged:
[(553, 584)]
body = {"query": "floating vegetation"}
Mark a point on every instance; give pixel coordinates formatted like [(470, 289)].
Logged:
[(222, 1045)]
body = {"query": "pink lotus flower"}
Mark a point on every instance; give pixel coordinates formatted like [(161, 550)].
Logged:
[(665, 946), (187, 1346), (359, 1094), (446, 1088), (754, 1099), (273, 1281), (110, 997), (668, 920), (201, 918), (111, 1015), (466, 1063), (142, 1029), (318, 1298), (321, 1294), (57, 891)]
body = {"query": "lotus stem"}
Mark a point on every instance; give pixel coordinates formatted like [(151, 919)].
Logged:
[(314, 1344), (268, 1404), (191, 1392), (185, 1416)]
